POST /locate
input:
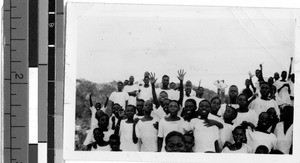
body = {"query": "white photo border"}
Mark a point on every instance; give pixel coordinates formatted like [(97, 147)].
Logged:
[(69, 154)]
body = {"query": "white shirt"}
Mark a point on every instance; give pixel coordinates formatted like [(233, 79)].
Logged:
[(131, 88), (259, 106), (226, 134), (119, 97), (146, 132), (283, 94), (249, 116), (101, 148), (205, 137), (257, 138), (90, 136), (165, 127), (94, 121), (284, 141), (145, 93), (244, 149), (126, 133)]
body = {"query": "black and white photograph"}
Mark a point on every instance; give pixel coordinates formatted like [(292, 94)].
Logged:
[(179, 78)]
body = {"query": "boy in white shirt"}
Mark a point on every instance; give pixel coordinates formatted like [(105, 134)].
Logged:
[(121, 97), (132, 90)]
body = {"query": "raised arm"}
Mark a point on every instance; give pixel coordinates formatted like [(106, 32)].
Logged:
[(134, 137), (251, 83), (290, 69), (152, 80), (180, 76), (261, 71)]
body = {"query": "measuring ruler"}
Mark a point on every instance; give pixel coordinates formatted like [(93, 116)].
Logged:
[(15, 81)]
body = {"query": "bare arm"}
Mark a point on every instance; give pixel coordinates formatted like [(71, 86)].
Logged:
[(152, 81), (290, 69), (134, 137), (91, 102), (180, 76), (251, 83)]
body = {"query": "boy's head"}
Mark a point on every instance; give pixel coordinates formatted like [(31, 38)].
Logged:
[(131, 80), (114, 142), (204, 108), (189, 141), (146, 80), (283, 75), (264, 90), (175, 142), (103, 119), (190, 107), (172, 85), (98, 134), (242, 100), (98, 106), (276, 76), (247, 82), (257, 73), (215, 105), (126, 82), (165, 81), (116, 107), (262, 150), (263, 121), (188, 84), (239, 134), (120, 86), (200, 91), (270, 81), (140, 106), (229, 114), (173, 107), (148, 106), (188, 91), (162, 96), (130, 111), (233, 91), (165, 105), (272, 113)]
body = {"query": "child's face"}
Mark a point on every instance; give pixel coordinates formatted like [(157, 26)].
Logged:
[(165, 81), (120, 86), (229, 113), (148, 106), (188, 91), (215, 105), (165, 105), (146, 80), (139, 106), (264, 89), (98, 105), (242, 101), (233, 92), (162, 96), (189, 107), (204, 108), (175, 144), (257, 73), (264, 121), (238, 135), (114, 144), (200, 91), (276, 76), (103, 122), (272, 113), (189, 143), (129, 111), (247, 82), (172, 85), (98, 136), (131, 79), (115, 109), (173, 108)]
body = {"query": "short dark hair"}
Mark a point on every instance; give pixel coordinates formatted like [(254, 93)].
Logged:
[(131, 106), (165, 76), (193, 101), (191, 134), (205, 101), (100, 114), (140, 100), (115, 137), (216, 97), (174, 133)]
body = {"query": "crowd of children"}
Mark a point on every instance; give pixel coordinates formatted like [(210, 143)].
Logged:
[(175, 118)]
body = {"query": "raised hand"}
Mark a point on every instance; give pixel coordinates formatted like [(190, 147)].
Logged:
[(181, 74), (291, 59), (250, 75), (152, 78), (260, 65)]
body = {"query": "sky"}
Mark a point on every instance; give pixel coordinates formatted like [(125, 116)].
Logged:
[(210, 43)]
